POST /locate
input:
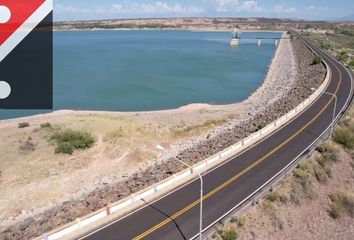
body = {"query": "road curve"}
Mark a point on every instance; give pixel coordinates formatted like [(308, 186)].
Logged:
[(176, 216)]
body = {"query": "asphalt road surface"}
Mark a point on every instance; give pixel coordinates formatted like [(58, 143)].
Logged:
[(176, 216)]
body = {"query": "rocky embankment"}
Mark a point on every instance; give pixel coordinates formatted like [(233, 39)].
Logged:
[(288, 81)]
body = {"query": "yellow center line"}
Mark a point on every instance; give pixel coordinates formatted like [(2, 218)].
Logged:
[(254, 164)]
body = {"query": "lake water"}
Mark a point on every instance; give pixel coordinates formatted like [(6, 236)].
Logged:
[(152, 70)]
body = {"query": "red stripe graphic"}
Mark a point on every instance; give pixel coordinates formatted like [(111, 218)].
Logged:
[(20, 10)]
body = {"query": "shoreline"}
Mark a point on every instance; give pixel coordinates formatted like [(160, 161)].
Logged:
[(181, 109), (164, 29)]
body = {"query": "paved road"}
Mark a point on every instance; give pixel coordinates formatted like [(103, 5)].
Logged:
[(176, 216)]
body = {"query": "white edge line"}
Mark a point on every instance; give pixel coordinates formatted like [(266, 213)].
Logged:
[(27, 27), (210, 170), (206, 173), (289, 164)]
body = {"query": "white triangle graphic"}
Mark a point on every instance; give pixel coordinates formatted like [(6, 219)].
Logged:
[(25, 28)]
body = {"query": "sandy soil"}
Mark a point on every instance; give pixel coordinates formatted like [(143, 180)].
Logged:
[(125, 143)]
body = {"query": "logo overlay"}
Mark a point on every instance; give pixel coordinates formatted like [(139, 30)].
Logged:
[(26, 54)]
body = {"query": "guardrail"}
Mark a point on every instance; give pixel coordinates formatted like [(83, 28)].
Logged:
[(184, 176), (269, 185)]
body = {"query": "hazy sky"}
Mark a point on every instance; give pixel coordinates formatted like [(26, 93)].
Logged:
[(104, 9)]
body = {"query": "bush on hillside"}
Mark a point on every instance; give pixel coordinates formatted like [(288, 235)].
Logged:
[(261, 126), (342, 202), (23, 125), (344, 136), (64, 147), (229, 234), (328, 154), (347, 33), (273, 196), (302, 188), (325, 45), (317, 60), (70, 140), (351, 63), (343, 56), (46, 125)]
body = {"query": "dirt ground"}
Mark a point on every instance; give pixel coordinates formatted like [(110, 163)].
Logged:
[(309, 219), (122, 145)]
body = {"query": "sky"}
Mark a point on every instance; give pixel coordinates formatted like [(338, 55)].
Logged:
[(110, 9)]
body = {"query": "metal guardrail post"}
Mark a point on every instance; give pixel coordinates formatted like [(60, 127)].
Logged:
[(78, 222), (201, 197), (45, 236)]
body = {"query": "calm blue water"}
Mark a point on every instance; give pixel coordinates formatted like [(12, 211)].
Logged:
[(151, 70)]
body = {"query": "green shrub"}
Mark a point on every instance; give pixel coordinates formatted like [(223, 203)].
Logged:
[(344, 136), (328, 154), (347, 33), (342, 202), (64, 147), (229, 234), (317, 60), (46, 125), (324, 147), (324, 45), (70, 140), (273, 196), (351, 63), (343, 53), (302, 169), (23, 125), (299, 173), (261, 126), (343, 56)]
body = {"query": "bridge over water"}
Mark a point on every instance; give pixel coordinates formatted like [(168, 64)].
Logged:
[(259, 39)]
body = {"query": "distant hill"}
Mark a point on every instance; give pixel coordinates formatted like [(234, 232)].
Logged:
[(198, 24), (346, 18)]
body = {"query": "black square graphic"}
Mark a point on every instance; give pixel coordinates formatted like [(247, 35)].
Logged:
[(28, 69)]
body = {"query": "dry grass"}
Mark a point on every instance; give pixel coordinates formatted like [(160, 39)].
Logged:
[(228, 232), (300, 191), (29, 163), (344, 134), (301, 187), (23, 125), (183, 130), (316, 168), (240, 220), (273, 196), (124, 144), (342, 202)]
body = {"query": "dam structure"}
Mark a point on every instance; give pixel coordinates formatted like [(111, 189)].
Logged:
[(236, 36)]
